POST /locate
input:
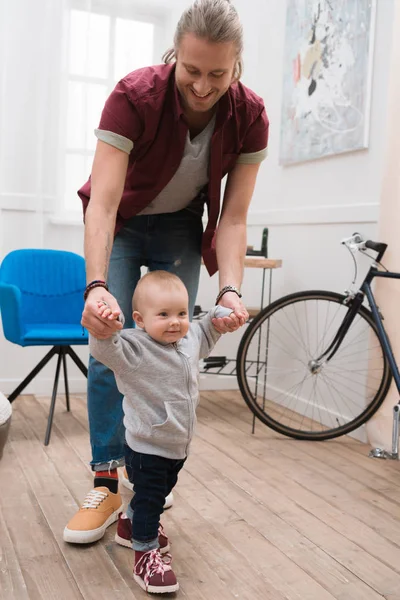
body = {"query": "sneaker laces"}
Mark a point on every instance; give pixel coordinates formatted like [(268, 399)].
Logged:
[(94, 499), (166, 557), (151, 563)]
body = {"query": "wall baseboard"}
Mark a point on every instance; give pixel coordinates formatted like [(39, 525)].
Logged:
[(24, 202), (300, 215), (77, 385), (316, 215), (218, 382), (44, 386)]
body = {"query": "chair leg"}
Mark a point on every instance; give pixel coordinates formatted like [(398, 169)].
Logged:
[(76, 360), (64, 359), (33, 373), (53, 398)]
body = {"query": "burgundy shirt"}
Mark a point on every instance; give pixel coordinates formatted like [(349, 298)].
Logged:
[(145, 107)]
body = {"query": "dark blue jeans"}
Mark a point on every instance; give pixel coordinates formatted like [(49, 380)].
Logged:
[(170, 241), (153, 477)]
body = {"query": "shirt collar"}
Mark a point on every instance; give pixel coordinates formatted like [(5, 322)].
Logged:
[(178, 109), (224, 110)]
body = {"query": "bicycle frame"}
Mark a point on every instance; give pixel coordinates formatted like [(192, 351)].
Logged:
[(366, 288), (383, 336), (354, 305)]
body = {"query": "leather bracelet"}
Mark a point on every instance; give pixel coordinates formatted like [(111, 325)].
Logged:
[(228, 288), (94, 284)]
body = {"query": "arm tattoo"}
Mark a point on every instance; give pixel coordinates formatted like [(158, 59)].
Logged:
[(108, 254)]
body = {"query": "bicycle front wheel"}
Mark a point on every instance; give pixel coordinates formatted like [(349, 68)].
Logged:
[(285, 385)]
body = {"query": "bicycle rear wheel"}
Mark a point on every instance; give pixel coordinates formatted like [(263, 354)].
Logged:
[(288, 391)]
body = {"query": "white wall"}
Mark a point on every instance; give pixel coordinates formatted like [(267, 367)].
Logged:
[(308, 207), (311, 206)]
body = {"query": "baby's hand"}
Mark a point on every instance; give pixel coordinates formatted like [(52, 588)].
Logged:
[(105, 312)]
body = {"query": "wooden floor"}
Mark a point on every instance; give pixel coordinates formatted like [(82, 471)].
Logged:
[(256, 517)]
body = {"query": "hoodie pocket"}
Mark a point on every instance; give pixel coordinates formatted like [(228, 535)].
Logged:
[(175, 426)]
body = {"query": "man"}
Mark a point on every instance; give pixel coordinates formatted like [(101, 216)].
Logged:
[(167, 136)]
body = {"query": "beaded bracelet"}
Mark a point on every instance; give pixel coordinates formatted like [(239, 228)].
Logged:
[(93, 284)]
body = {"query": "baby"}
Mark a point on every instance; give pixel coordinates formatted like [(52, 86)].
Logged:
[(156, 367)]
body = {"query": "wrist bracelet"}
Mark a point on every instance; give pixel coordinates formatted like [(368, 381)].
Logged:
[(93, 284), (228, 288)]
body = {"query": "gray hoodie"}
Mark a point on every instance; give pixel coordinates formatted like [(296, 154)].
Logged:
[(159, 383)]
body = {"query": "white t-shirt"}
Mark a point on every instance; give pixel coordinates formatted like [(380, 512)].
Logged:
[(192, 174)]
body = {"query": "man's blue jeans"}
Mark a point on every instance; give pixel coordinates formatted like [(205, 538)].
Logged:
[(172, 242)]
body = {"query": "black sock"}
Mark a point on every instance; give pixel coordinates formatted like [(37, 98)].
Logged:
[(108, 479)]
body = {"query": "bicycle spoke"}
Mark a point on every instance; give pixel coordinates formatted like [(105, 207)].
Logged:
[(295, 391)]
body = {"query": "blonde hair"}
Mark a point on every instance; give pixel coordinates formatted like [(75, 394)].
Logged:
[(216, 21), (160, 278)]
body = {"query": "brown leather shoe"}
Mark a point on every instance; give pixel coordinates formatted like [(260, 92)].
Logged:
[(99, 510)]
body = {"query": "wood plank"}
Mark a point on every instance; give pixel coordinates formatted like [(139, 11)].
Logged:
[(45, 572), (220, 591), (273, 566), (387, 471), (380, 474), (259, 262), (12, 584), (340, 481), (72, 426), (354, 451), (217, 555), (285, 487), (317, 455), (333, 576), (190, 584), (256, 517), (197, 578), (94, 573), (307, 518), (244, 425)]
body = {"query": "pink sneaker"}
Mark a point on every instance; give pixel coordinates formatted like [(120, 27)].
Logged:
[(153, 574), (123, 536)]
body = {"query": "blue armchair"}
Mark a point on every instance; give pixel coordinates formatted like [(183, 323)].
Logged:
[(41, 303)]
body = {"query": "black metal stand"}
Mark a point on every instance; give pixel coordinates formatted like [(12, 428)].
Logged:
[(61, 352), (221, 365)]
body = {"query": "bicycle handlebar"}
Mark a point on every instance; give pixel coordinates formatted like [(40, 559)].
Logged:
[(356, 243)]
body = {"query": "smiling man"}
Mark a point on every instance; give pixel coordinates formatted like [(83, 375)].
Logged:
[(203, 74), (167, 136)]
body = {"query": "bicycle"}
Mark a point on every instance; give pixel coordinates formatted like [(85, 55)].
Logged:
[(316, 365)]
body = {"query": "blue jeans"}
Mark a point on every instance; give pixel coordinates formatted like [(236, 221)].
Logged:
[(169, 241), (154, 477)]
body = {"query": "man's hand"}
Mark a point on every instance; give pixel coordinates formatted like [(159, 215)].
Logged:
[(236, 319), (96, 323)]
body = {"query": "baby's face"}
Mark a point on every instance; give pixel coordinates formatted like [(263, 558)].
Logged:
[(165, 314)]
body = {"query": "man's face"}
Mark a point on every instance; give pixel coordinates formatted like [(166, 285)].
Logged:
[(204, 72)]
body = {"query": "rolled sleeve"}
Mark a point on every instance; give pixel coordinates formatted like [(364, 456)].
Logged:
[(114, 139), (252, 158)]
